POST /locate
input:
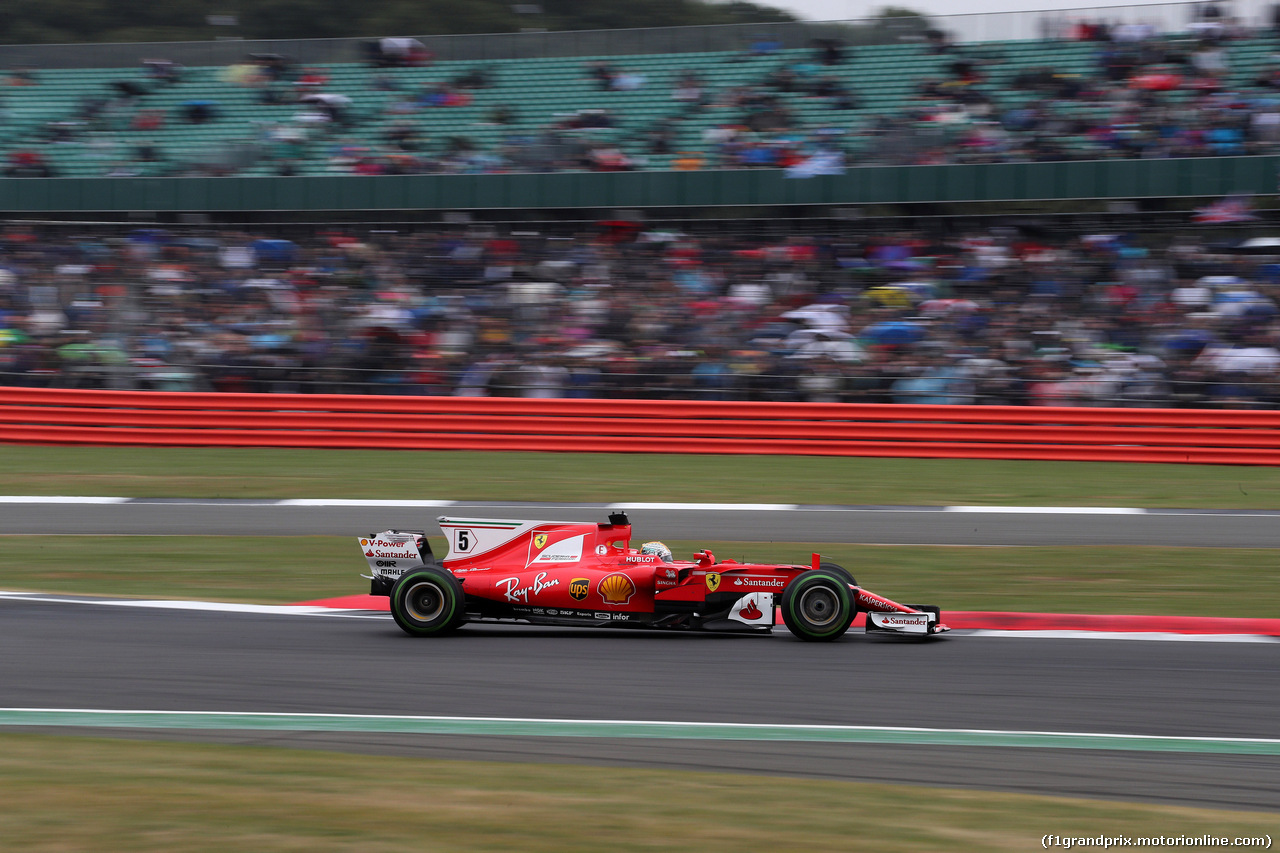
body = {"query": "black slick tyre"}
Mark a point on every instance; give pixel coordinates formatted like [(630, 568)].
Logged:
[(841, 570), (427, 602), (818, 605)]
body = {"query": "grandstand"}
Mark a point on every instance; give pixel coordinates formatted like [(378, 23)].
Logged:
[(88, 122), (920, 280)]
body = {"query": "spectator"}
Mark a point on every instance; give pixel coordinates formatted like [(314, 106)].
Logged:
[(397, 52), (828, 51), (20, 75), (200, 111), (163, 70), (26, 163), (1064, 319)]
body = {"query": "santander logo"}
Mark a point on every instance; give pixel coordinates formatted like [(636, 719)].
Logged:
[(750, 611)]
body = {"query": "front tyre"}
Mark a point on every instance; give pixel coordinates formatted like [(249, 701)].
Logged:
[(427, 602), (818, 605), (839, 570)]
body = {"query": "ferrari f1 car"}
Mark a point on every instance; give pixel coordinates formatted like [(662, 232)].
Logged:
[(587, 574)]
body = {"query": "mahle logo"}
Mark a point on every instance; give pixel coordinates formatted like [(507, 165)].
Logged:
[(578, 588)]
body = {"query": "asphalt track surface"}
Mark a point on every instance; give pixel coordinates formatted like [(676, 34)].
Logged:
[(82, 656), (869, 525)]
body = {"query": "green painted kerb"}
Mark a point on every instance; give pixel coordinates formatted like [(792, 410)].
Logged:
[(517, 727)]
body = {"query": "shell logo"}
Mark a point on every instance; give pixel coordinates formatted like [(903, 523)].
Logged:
[(616, 588), (364, 543)]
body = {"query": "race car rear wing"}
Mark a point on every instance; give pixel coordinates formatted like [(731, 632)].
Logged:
[(391, 553)]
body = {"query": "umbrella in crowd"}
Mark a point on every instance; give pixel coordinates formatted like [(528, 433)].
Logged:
[(894, 332), (1190, 340), (813, 343), (1241, 359), (1259, 246), (821, 315)]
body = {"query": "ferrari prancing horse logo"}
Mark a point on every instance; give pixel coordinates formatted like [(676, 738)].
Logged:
[(713, 581), (539, 540)]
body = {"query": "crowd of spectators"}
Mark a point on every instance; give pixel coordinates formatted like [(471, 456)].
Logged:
[(1144, 93), (1005, 314)]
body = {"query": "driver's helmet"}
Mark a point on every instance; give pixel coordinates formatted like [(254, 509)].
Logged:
[(662, 551)]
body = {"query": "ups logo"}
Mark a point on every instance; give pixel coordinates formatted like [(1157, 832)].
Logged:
[(578, 588)]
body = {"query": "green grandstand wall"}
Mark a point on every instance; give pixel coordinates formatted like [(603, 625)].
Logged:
[(1097, 179)]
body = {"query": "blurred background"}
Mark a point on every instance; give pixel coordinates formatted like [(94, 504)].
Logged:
[(656, 200), (1042, 207)]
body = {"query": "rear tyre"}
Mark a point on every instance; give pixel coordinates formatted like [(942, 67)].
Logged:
[(427, 602), (818, 606)]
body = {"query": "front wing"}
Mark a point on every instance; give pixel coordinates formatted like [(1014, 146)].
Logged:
[(887, 616)]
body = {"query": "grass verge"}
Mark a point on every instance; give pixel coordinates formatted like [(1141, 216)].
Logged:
[(606, 478), (72, 793), (281, 569)]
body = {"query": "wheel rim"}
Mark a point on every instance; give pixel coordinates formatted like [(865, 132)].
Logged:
[(424, 601), (819, 606)]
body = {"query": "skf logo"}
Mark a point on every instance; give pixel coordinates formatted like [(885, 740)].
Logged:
[(616, 588), (540, 541), (713, 581), (578, 588)]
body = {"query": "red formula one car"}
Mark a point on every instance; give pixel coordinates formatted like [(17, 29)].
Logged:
[(587, 574)]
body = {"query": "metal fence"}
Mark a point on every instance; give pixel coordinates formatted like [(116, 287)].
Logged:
[(1183, 177), (560, 378)]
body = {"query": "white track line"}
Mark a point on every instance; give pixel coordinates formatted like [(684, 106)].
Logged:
[(1143, 636), (208, 606), (315, 610), (1050, 510), (59, 499), (629, 505), (629, 729), (708, 507), (358, 503)]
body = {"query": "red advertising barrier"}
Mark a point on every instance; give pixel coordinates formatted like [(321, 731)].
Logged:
[(56, 416)]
